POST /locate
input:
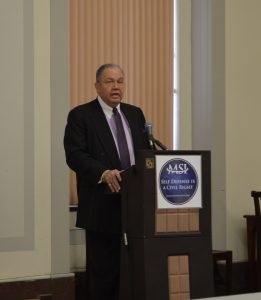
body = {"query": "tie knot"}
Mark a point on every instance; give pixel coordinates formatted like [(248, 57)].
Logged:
[(115, 110)]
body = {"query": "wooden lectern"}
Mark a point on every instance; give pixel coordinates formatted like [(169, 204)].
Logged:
[(166, 253)]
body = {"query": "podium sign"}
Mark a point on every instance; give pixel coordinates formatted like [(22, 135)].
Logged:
[(178, 181), (166, 224)]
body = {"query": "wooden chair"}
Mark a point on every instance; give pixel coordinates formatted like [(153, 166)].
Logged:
[(223, 255), (257, 197)]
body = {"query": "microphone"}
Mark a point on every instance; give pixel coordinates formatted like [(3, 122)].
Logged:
[(148, 128), (152, 140)]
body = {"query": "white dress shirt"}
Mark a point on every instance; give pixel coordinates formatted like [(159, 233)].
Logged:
[(109, 116)]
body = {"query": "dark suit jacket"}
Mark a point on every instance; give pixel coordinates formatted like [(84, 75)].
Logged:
[(90, 150)]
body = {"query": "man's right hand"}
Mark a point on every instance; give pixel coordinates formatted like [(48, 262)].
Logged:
[(112, 178)]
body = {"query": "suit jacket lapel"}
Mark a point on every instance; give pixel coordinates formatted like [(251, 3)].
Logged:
[(133, 128), (104, 132)]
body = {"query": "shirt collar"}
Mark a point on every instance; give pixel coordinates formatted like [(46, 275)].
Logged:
[(106, 108)]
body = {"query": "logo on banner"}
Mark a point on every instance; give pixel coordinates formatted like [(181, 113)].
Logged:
[(178, 181)]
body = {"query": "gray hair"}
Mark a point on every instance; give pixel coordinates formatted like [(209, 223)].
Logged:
[(101, 69)]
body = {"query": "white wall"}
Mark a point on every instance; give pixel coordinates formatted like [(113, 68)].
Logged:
[(243, 106), (34, 234), (226, 64)]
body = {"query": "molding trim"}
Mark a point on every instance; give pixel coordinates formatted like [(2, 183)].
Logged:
[(60, 287), (25, 240)]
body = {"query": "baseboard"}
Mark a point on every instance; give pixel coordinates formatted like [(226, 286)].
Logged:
[(57, 287)]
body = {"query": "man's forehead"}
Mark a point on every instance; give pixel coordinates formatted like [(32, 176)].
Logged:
[(112, 72)]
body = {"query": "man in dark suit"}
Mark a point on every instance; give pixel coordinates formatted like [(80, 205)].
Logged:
[(98, 155)]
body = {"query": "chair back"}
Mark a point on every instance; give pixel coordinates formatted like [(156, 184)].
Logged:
[(257, 197)]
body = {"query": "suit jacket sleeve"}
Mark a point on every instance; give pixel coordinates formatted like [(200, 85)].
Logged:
[(78, 156)]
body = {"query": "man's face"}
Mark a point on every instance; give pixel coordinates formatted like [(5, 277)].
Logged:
[(111, 86)]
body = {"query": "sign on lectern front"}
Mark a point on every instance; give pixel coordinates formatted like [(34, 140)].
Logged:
[(178, 181)]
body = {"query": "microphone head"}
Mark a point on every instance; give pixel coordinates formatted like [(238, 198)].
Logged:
[(148, 127)]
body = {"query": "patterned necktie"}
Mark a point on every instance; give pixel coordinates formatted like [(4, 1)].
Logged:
[(122, 141)]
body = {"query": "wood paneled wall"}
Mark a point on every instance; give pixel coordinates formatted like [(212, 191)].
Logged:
[(136, 34)]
